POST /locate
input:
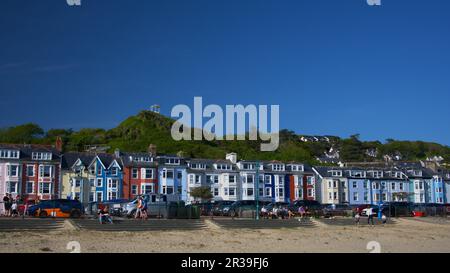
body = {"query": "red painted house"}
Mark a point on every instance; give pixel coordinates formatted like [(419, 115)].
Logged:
[(140, 174), (301, 182)]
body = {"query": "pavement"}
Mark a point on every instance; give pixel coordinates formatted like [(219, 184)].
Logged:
[(138, 225), (350, 221), (238, 223), (432, 220), (27, 224)]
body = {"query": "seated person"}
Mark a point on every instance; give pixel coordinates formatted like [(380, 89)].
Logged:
[(104, 216)]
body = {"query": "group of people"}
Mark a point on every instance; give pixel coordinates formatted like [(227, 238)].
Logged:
[(141, 212), (11, 205), (370, 215), (282, 212)]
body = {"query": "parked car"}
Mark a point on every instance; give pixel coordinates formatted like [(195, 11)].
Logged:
[(395, 209), (271, 205), (157, 205), (115, 206), (363, 209), (337, 210), (219, 206), (23, 206), (63, 208), (429, 209), (312, 206), (242, 205), (205, 208)]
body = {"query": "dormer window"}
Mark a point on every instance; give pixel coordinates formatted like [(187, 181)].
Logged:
[(223, 167), (114, 171), (198, 166), (278, 167), (336, 173), (248, 166), (377, 174), (172, 161), (141, 158), (41, 156), (9, 154), (297, 168), (357, 174), (417, 173)]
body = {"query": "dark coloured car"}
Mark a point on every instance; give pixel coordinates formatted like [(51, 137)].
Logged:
[(337, 210), (219, 206), (205, 208), (242, 205), (63, 208), (311, 206), (396, 209)]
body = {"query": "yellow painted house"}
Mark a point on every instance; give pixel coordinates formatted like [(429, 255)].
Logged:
[(75, 177)]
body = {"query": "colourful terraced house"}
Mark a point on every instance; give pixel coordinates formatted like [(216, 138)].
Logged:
[(76, 183), (302, 182), (105, 174), (140, 174), (225, 177), (172, 177), (277, 175), (31, 171)]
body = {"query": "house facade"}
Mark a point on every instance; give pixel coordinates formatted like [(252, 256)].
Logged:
[(172, 176), (32, 172), (106, 176), (140, 174), (333, 185), (75, 177), (226, 179)]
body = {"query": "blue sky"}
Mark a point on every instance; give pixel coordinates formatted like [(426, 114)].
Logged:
[(334, 67)]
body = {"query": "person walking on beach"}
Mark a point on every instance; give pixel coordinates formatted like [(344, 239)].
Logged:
[(139, 208), (7, 204), (370, 214), (357, 218), (302, 212), (14, 211), (144, 208), (383, 219)]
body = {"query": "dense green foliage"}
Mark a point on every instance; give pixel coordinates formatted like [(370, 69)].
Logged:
[(201, 193), (137, 132)]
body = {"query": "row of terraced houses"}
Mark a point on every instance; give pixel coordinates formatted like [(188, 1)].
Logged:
[(44, 172)]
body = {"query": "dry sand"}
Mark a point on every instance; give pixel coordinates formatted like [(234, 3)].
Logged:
[(407, 235)]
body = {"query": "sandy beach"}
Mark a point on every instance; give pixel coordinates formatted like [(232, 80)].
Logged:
[(407, 235)]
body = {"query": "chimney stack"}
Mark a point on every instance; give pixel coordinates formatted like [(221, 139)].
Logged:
[(152, 149), (117, 153), (59, 144), (231, 157)]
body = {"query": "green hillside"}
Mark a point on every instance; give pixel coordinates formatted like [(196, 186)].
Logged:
[(137, 132)]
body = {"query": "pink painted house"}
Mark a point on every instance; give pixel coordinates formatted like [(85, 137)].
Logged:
[(31, 171)]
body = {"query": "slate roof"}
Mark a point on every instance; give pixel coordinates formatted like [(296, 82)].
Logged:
[(69, 159), (128, 160), (26, 151)]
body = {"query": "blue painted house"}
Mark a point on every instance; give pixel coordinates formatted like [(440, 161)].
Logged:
[(172, 176), (106, 178)]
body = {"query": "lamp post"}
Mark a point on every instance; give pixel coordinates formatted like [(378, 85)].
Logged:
[(380, 200), (257, 190)]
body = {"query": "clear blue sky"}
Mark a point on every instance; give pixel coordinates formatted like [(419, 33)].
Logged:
[(335, 67)]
